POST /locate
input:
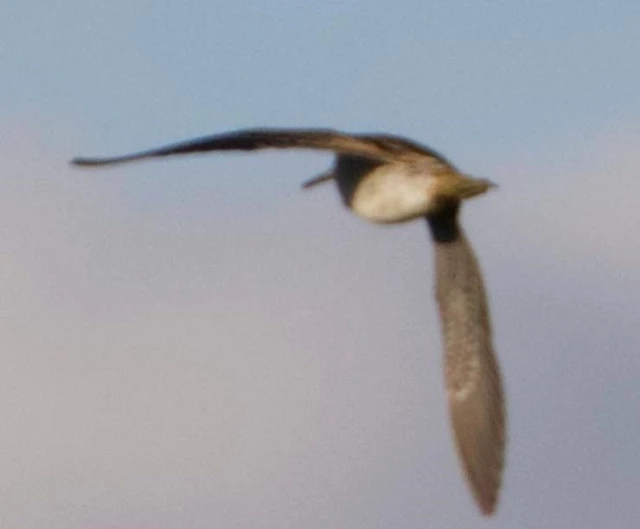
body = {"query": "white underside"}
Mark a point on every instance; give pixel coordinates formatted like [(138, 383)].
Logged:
[(391, 194)]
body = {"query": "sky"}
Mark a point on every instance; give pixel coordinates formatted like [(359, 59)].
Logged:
[(198, 343)]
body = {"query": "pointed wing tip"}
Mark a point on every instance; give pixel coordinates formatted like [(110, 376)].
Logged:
[(87, 162), (485, 488), (488, 505), (100, 162)]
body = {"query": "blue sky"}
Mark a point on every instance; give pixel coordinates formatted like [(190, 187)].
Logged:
[(198, 343)]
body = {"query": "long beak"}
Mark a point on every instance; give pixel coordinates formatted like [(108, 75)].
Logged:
[(324, 177)]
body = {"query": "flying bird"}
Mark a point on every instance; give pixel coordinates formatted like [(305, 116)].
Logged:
[(388, 179)]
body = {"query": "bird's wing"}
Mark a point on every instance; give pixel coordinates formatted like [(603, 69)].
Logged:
[(473, 381), (377, 147)]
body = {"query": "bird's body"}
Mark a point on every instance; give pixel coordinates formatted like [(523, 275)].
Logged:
[(385, 193), (388, 179)]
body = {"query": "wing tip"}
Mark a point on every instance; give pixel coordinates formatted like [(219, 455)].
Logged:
[(86, 162), (81, 161), (488, 505)]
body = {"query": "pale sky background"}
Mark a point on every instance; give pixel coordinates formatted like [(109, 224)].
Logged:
[(197, 343)]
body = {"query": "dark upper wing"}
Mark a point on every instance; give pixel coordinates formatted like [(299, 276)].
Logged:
[(403, 146), (253, 139), (378, 147), (474, 387)]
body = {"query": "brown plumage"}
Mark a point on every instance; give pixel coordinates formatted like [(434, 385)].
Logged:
[(378, 146), (472, 375), (388, 179)]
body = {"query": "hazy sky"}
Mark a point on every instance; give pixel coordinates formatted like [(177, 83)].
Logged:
[(199, 344)]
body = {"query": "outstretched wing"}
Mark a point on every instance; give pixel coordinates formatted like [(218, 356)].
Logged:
[(378, 147), (474, 387)]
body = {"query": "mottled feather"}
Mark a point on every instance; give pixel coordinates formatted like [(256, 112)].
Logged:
[(472, 376), (373, 146), (390, 179)]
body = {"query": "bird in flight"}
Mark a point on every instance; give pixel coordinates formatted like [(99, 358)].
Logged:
[(388, 179)]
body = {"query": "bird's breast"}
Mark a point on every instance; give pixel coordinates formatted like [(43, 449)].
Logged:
[(389, 193)]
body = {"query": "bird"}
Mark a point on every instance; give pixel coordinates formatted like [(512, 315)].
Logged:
[(388, 179)]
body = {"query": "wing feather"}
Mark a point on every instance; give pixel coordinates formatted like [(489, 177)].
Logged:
[(473, 381), (378, 147)]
